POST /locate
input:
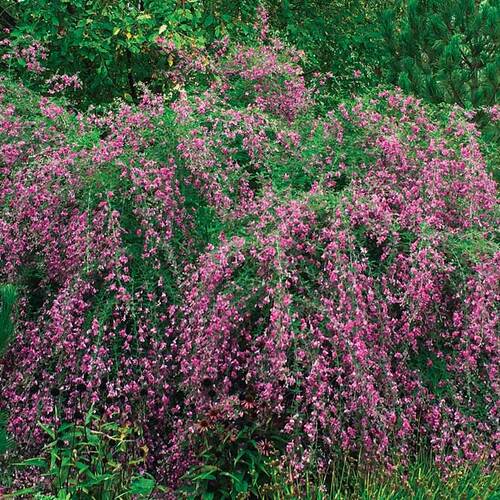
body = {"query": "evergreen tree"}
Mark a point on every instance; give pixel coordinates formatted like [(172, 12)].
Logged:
[(447, 51)]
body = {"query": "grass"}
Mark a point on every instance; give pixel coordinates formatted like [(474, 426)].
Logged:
[(422, 481)]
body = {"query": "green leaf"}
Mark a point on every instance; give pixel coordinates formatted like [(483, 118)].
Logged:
[(33, 462), (142, 486), (205, 472), (89, 415), (209, 20), (24, 491), (7, 301), (97, 480), (205, 475), (48, 430), (81, 466), (241, 486)]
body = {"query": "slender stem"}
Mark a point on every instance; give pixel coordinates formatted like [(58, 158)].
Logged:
[(130, 77)]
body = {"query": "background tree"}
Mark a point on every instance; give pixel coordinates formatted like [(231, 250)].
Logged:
[(340, 36), (447, 51), (112, 44)]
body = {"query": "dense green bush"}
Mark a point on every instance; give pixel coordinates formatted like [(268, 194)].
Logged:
[(341, 38), (113, 46)]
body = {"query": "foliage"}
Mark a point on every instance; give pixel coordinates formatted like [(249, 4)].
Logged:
[(111, 45), (341, 39), (90, 460), (421, 480), (233, 462), (447, 51), (7, 301)]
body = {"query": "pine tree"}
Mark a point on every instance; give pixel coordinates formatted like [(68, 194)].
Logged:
[(447, 51)]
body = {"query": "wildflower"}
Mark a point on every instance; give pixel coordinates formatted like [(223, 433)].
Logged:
[(203, 426), (265, 448)]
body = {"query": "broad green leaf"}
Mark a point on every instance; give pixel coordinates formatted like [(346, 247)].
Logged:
[(142, 486), (33, 462), (209, 20), (24, 491), (48, 430)]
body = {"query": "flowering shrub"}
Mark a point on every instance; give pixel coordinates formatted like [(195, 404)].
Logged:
[(239, 261), (87, 226)]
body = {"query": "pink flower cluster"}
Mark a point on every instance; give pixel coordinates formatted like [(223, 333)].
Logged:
[(31, 55), (86, 234), (331, 278), (59, 83)]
